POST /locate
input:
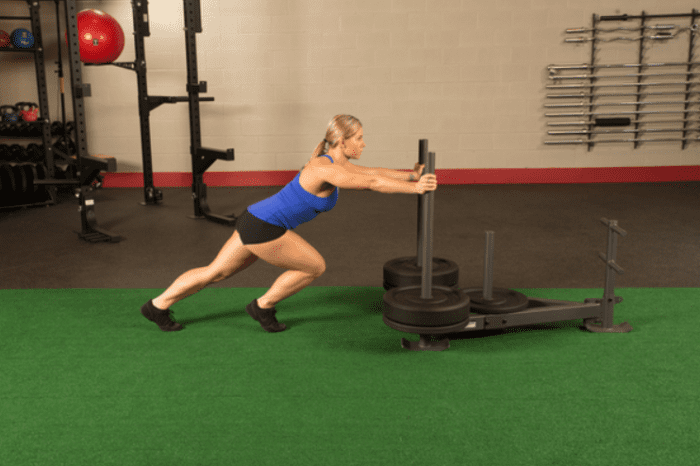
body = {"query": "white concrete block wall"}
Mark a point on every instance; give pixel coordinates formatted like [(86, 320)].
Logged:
[(469, 76)]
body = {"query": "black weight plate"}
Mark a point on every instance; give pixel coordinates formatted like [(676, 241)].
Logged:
[(404, 272), (446, 307), (31, 174), (4, 185), (503, 301), (20, 182), (42, 174), (35, 153), (454, 328), (56, 128), (8, 183), (17, 153), (41, 171)]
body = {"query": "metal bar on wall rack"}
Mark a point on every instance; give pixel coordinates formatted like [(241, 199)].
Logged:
[(555, 68), (636, 112), (582, 95), (626, 123), (634, 140), (656, 27), (593, 86), (624, 131), (635, 75), (618, 104), (628, 17)]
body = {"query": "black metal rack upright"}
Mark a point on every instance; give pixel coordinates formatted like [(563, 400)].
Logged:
[(146, 102), (42, 125), (87, 168), (202, 158)]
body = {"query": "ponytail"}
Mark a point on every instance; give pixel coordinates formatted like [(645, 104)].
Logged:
[(340, 127), (320, 149)]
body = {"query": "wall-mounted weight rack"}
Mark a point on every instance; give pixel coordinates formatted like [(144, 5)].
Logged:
[(17, 188), (628, 102), (87, 168)]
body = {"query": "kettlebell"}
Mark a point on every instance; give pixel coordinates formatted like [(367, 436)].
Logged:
[(9, 113), (28, 110)]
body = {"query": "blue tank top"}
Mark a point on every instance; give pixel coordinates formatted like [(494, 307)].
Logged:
[(293, 205)]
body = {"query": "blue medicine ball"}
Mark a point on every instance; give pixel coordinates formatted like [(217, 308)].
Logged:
[(22, 39)]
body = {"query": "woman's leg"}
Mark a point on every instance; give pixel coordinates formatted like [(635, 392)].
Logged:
[(292, 252), (232, 258)]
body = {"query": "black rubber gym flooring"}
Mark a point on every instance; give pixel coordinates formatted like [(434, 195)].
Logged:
[(546, 236)]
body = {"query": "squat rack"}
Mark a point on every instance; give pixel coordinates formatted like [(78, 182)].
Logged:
[(202, 158)]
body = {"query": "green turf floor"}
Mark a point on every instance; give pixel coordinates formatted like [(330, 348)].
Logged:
[(85, 380)]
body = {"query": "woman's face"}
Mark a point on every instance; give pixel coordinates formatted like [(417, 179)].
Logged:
[(354, 145)]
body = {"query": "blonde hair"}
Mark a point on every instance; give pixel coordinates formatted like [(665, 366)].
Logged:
[(340, 127)]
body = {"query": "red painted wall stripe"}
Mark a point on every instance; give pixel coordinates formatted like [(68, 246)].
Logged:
[(447, 177)]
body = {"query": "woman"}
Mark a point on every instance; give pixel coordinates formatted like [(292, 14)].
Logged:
[(264, 230)]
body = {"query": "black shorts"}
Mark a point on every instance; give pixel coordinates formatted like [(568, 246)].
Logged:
[(255, 231)]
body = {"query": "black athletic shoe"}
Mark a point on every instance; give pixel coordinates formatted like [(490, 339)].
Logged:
[(266, 317), (160, 317)]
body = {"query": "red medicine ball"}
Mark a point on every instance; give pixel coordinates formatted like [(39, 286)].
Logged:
[(101, 37), (4, 39)]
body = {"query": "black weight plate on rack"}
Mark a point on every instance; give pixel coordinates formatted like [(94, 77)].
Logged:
[(446, 307), (42, 174), (17, 152), (35, 153), (31, 174), (503, 301), (4, 185), (20, 181), (404, 271), (8, 183), (38, 155), (5, 153), (41, 171)]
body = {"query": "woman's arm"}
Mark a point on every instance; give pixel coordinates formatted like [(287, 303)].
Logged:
[(359, 179), (387, 173)]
